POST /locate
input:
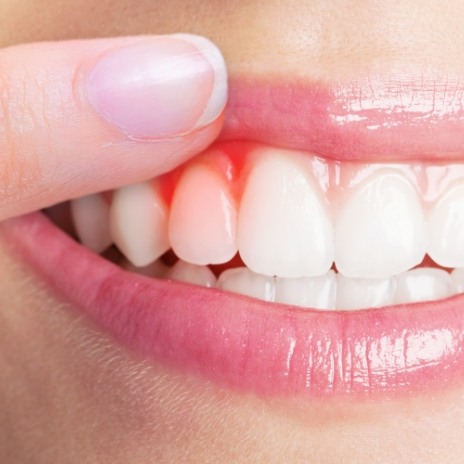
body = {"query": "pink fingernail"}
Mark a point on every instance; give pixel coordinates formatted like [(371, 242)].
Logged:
[(160, 87)]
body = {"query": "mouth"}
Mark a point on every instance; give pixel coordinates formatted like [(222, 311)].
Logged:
[(316, 250)]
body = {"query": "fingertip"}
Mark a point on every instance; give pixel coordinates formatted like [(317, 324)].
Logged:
[(160, 87)]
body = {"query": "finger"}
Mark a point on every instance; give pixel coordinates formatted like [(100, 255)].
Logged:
[(85, 116)]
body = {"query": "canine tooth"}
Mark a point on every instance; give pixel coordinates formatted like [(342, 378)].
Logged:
[(192, 274), (139, 223), (364, 293), (446, 229), (423, 284), (457, 277), (91, 217), (380, 232), (283, 225), (308, 292), (242, 280), (202, 224)]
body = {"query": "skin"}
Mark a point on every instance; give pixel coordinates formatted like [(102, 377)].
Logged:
[(69, 394)]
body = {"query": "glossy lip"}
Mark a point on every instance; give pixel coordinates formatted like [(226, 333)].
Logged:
[(376, 118), (272, 349), (246, 344)]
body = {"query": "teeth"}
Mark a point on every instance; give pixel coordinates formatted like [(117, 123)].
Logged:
[(446, 229), (202, 225), (192, 274), (283, 226), (423, 284), (139, 223), (156, 269), (364, 293), (91, 219), (337, 291), (308, 292), (457, 277), (242, 280), (380, 231)]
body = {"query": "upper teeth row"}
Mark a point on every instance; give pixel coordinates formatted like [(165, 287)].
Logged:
[(282, 223)]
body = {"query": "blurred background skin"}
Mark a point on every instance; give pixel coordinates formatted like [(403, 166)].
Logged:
[(69, 394)]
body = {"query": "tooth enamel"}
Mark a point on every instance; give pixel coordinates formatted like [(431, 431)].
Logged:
[(423, 284), (139, 223), (283, 226), (91, 219), (202, 224), (380, 232), (364, 293), (308, 292), (457, 277), (242, 280), (446, 229), (192, 274), (157, 269)]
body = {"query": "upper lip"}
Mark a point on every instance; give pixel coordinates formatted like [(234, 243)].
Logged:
[(369, 118)]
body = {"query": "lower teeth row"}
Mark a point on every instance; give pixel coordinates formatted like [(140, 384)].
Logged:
[(329, 291)]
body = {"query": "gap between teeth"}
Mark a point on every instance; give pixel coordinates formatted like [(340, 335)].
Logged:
[(293, 216)]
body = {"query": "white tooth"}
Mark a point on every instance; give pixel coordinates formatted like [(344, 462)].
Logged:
[(192, 274), (446, 229), (202, 223), (91, 217), (139, 223), (308, 292), (283, 226), (364, 293), (423, 284), (242, 280), (457, 276), (380, 232), (156, 269)]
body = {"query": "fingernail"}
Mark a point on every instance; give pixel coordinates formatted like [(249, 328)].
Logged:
[(160, 87)]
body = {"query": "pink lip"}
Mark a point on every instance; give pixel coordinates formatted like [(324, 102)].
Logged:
[(367, 119), (273, 349), (247, 344)]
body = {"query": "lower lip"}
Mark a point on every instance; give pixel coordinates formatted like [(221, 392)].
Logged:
[(250, 345)]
